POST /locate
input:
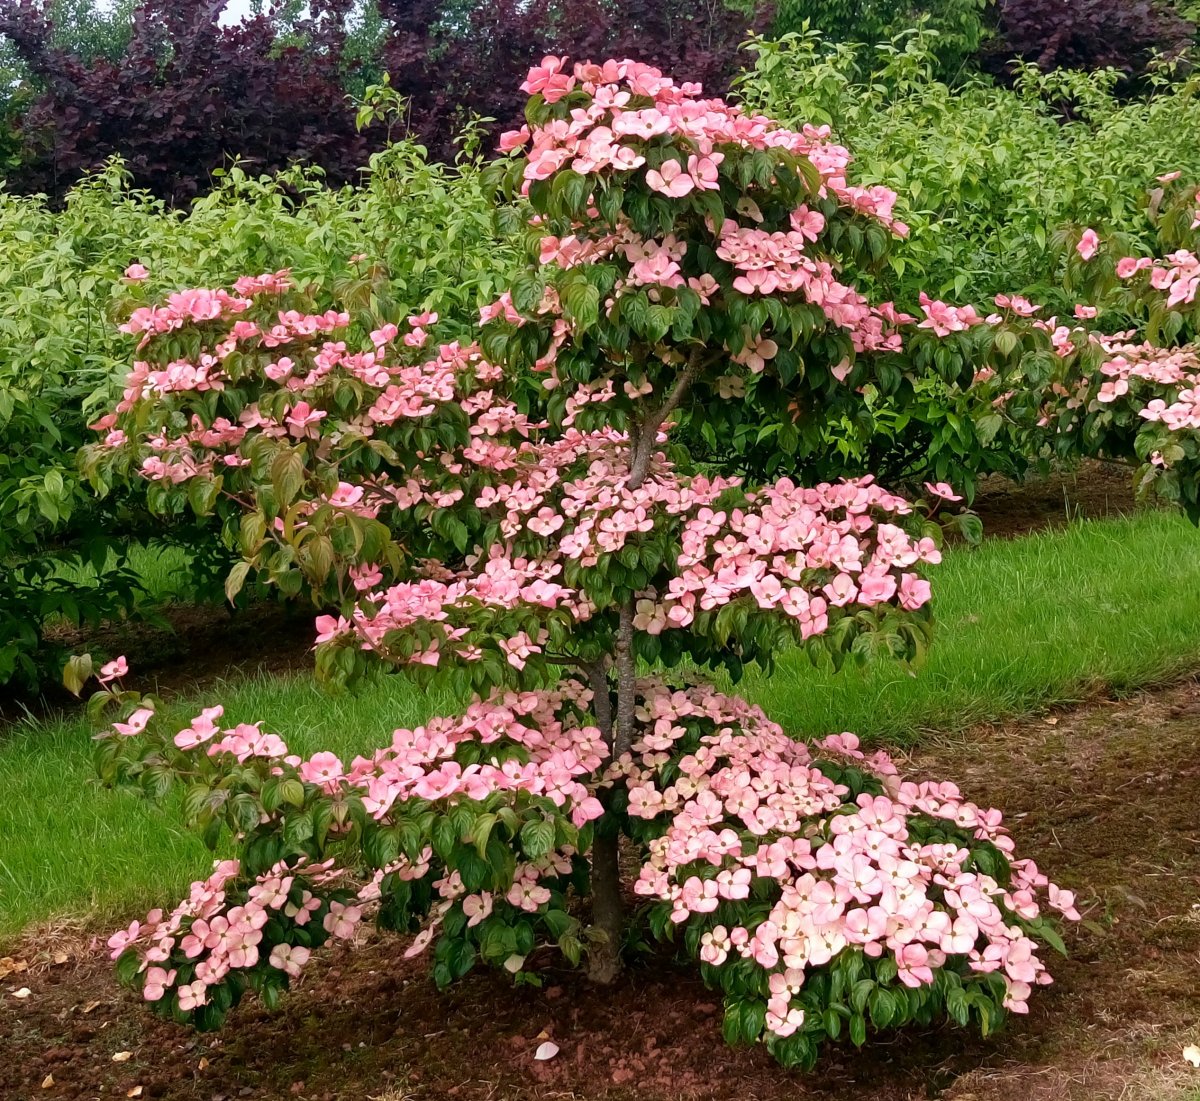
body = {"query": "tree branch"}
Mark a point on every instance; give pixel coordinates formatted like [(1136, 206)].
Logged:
[(626, 681), (644, 434)]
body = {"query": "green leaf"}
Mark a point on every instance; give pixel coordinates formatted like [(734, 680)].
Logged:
[(482, 832), (77, 672), (287, 475), (537, 838), (235, 580)]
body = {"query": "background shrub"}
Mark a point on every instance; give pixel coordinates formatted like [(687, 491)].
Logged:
[(182, 97), (960, 25), (420, 228), (1087, 34), (988, 173), (180, 94)]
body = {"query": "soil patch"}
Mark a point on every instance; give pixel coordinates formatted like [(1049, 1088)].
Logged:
[(1108, 795), (1093, 490), (194, 646)]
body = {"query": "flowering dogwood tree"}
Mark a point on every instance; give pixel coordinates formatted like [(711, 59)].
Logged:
[(1119, 377), (510, 516)]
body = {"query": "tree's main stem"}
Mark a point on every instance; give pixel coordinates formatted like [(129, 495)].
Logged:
[(608, 912), (626, 681)]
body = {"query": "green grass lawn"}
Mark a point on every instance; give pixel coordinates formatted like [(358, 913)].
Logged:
[(1042, 620), (162, 569), (1105, 605)]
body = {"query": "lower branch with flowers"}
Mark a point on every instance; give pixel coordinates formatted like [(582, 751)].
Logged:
[(823, 894)]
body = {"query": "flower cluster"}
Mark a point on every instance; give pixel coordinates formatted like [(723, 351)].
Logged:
[(288, 371), (627, 124), (1134, 384), (1177, 274), (785, 540), (527, 754), (792, 551), (735, 813), (770, 263), (629, 105), (765, 849), (235, 930), (533, 748)]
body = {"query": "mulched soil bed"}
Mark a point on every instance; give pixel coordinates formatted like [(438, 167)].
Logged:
[(1095, 489), (1107, 795)]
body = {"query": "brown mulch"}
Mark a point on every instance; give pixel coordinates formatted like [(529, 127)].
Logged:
[(1093, 490), (1107, 796)]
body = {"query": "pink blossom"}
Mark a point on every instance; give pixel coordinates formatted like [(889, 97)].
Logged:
[(156, 983), (342, 920), (113, 670), (135, 723), (322, 768), (289, 958), (942, 490), (203, 728), (549, 79), (671, 180), (514, 139)]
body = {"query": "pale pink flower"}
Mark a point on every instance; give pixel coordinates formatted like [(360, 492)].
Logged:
[(203, 728), (1089, 244), (322, 768), (943, 490), (289, 958), (670, 180), (112, 670), (514, 139), (192, 996), (157, 981), (135, 723), (342, 920)]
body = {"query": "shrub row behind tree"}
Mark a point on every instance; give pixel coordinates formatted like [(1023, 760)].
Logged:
[(187, 93)]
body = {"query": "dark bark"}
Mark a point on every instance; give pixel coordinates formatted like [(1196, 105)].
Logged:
[(626, 681), (608, 911)]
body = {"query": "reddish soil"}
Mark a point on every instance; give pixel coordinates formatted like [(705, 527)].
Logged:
[(1108, 795)]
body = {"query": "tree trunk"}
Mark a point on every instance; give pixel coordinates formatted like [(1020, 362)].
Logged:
[(626, 682), (608, 916)]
